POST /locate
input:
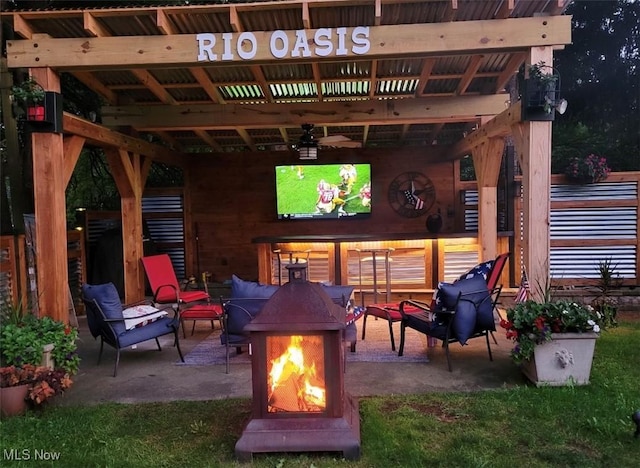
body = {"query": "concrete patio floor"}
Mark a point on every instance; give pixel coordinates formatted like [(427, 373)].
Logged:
[(147, 375)]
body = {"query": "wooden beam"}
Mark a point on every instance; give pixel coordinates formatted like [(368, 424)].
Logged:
[(201, 75), (351, 113), (98, 135), (469, 74), (209, 140), (93, 26), (387, 41), (128, 174), (497, 127), (72, 148), (154, 86), (96, 85), (246, 138)]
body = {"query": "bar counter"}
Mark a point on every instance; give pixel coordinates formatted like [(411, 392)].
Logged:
[(417, 260)]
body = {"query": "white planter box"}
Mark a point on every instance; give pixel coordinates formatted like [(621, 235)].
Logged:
[(565, 360)]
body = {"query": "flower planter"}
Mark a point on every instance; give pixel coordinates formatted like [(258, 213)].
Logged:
[(12, 400), (565, 360)]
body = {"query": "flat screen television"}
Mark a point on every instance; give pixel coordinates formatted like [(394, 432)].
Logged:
[(323, 191)]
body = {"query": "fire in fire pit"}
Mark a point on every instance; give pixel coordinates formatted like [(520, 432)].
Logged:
[(299, 401), (296, 378)]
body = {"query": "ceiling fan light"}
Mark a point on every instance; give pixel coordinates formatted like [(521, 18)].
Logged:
[(307, 146), (308, 152)]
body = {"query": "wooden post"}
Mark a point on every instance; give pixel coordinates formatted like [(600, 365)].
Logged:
[(533, 146), (487, 159), (49, 185), (130, 173)]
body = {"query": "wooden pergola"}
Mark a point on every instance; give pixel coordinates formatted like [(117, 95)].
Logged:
[(243, 76)]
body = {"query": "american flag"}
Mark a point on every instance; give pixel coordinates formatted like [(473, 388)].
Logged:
[(417, 203), (523, 292)]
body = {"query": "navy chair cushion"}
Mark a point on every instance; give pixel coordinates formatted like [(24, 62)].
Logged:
[(160, 327), (240, 312), (107, 298), (250, 289), (340, 295), (474, 296)]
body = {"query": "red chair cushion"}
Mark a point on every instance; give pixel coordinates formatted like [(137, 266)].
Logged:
[(389, 311), (202, 312)]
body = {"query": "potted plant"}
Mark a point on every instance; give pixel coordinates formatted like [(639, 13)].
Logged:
[(30, 95), (23, 342), (605, 303), (540, 92), (554, 340), (29, 385), (589, 169)]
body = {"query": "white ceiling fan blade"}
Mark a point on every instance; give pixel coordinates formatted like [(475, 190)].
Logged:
[(339, 141)]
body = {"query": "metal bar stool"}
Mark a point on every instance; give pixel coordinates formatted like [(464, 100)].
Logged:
[(293, 254), (375, 254)]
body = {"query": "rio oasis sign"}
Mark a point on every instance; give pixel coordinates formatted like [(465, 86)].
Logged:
[(323, 43)]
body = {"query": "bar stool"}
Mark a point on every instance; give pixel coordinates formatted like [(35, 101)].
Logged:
[(292, 254), (374, 256)]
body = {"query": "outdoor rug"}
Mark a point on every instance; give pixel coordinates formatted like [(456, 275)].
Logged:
[(375, 348)]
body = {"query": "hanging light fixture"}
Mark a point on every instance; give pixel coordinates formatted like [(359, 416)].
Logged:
[(307, 146)]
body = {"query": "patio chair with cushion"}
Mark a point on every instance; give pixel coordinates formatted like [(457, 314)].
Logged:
[(121, 326), (465, 311), (192, 304)]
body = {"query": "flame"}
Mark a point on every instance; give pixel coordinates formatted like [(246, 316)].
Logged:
[(289, 371)]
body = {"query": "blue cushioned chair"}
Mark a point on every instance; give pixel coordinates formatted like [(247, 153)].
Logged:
[(105, 320), (236, 314), (466, 313)]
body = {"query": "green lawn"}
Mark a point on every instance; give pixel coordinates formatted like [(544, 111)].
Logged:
[(588, 426)]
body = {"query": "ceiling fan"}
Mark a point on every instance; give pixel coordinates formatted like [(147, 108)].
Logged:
[(339, 141)]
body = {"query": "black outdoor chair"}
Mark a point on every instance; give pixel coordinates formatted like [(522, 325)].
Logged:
[(106, 320), (467, 313)]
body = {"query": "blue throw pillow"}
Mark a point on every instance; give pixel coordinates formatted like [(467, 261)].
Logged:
[(251, 289), (474, 296)]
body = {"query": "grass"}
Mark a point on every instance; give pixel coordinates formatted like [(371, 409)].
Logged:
[(586, 426)]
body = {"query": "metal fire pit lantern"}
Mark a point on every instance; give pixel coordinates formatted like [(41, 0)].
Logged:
[(299, 401)]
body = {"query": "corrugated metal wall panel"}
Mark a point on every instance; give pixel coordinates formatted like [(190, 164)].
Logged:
[(162, 204), (594, 223), (457, 263), (603, 191), (582, 262)]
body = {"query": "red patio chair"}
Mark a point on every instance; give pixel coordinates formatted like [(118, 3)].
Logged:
[(191, 304)]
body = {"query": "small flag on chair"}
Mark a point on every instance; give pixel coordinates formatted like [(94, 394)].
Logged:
[(523, 292)]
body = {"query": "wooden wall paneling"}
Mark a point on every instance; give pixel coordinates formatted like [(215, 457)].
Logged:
[(232, 200)]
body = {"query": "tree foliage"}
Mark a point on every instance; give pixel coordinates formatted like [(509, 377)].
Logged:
[(599, 73)]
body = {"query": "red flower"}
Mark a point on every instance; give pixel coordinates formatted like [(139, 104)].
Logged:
[(67, 330), (539, 323), (506, 324), (512, 334)]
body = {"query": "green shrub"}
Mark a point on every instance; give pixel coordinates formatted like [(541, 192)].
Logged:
[(21, 343)]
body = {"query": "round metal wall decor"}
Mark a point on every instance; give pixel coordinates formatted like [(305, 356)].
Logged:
[(411, 194)]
